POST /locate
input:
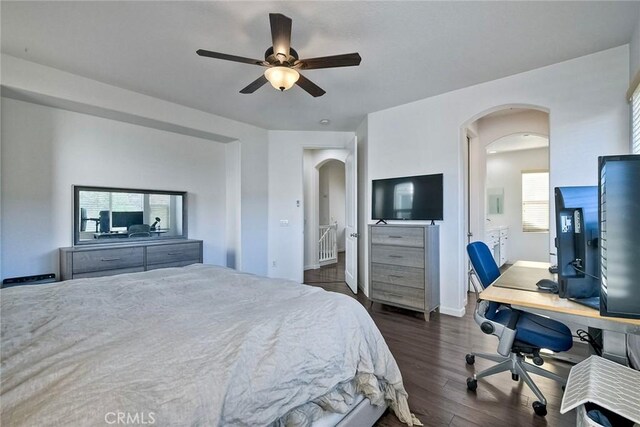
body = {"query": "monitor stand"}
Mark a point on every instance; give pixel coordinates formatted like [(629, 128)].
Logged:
[(381, 221)]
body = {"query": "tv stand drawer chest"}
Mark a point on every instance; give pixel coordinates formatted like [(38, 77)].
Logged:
[(404, 266)]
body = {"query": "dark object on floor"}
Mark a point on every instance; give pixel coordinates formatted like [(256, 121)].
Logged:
[(38, 279)]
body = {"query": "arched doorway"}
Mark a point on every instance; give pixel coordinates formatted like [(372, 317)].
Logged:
[(507, 199)]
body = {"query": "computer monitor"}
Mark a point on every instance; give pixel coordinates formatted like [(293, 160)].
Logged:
[(577, 241), (620, 235), (126, 219)]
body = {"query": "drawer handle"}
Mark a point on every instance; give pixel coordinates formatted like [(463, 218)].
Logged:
[(173, 253), (395, 237), (396, 256), (396, 276), (110, 259)]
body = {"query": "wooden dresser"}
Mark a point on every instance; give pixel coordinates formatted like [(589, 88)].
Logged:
[(404, 266), (107, 260)]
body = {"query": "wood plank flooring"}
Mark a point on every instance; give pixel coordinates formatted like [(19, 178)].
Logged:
[(431, 357)]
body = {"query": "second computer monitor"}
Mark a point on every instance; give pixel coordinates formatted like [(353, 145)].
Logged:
[(577, 241), (126, 219)]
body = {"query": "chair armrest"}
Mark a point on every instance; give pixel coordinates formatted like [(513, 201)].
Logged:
[(506, 334)]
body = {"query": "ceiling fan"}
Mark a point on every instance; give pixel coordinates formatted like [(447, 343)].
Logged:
[(282, 61)]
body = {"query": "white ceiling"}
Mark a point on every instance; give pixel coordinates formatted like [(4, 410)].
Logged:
[(518, 142), (410, 50)]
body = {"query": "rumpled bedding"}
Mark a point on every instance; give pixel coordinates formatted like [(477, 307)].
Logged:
[(198, 345)]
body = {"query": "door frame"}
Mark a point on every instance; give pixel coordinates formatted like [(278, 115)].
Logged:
[(315, 182)]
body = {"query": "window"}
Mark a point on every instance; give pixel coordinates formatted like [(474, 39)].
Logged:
[(535, 201), (160, 207), (635, 121)]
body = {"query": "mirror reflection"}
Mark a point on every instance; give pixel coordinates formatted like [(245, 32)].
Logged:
[(119, 215)]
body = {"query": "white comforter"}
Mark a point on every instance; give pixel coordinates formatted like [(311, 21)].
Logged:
[(198, 345)]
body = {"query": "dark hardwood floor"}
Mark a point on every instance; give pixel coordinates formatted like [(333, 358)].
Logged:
[(431, 357)]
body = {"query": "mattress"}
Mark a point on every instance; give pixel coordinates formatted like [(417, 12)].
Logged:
[(198, 345)]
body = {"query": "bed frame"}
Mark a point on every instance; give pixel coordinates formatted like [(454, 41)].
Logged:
[(364, 414)]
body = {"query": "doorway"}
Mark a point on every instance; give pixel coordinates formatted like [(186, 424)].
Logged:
[(508, 192), (325, 215), (313, 159)]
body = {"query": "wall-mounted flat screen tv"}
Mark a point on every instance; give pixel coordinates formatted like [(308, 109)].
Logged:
[(416, 198)]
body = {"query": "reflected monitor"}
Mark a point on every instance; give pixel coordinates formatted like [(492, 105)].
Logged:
[(126, 219)]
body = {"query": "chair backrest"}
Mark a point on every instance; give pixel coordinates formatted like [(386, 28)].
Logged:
[(139, 230), (483, 263)]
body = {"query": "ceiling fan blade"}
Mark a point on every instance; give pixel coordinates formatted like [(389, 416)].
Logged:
[(255, 85), (280, 33), (312, 88), (227, 57), (345, 60)]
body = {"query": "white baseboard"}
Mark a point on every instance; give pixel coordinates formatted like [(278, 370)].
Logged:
[(312, 267), (457, 312)]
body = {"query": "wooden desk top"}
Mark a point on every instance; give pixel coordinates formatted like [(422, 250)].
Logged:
[(541, 300)]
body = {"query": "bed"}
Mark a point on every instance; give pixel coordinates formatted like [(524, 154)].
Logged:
[(197, 345)]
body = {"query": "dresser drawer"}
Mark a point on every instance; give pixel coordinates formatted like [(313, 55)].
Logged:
[(400, 295), (107, 259), (398, 255), (172, 264), (108, 272), (398, 275), (400, 236), (163, 254)]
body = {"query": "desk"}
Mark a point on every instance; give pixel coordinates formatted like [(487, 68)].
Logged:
[(125, 234), (561, 309)]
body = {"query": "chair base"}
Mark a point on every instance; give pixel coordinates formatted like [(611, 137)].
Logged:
[(517, 365)]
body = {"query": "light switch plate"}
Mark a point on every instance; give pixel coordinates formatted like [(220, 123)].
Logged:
[(284, 223)]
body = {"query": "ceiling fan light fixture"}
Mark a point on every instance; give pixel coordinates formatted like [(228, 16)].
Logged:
[(282, 78)]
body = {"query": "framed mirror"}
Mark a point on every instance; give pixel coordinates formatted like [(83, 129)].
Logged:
[(125, 215), (495, 201)]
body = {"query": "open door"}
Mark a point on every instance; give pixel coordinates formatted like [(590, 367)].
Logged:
[(351, 217)]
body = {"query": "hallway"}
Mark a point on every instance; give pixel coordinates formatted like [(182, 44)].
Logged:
[(328, 275)]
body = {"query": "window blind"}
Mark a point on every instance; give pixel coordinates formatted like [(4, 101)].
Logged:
[(635, 121), (160, 206), (535, 201)]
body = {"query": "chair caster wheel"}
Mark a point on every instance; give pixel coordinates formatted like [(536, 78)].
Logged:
[(539, 408), (471, 359), (538, 360), (515, 377), (472, 384)]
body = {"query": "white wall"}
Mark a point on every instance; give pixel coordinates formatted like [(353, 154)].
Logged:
[(233, 219), (45, 151), (588, 117), (57, 88), (634, 51), (504, 170), (286, 242), (332, 197)]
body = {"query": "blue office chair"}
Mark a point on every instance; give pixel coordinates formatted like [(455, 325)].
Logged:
[(519, 333)]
